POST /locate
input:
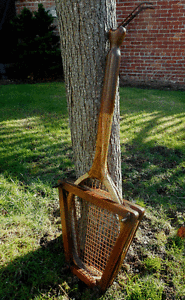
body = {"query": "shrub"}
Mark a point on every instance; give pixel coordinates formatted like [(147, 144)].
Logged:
[(36, 52)]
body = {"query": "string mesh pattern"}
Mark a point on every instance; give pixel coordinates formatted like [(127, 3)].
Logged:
[(94, 233), (94, 184)]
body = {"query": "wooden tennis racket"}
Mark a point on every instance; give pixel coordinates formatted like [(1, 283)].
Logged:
[(97, 225)]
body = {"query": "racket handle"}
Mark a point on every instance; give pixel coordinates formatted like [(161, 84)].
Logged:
[(99, 166)]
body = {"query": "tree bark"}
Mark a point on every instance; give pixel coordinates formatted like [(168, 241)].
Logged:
[(84, 27)]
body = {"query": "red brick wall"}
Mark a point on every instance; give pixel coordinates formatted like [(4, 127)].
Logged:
[(154, 48), (32, 4)]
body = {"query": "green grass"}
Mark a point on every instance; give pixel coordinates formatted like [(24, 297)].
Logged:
[(153, 118), (153, 140), (35, 151)]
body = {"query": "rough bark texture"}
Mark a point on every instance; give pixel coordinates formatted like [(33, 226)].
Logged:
[(83, 26)]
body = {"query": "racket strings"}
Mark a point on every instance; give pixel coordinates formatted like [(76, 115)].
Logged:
[(95, 184), (94, 233)]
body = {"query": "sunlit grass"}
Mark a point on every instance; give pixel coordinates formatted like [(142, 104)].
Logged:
[(152, 119), (34, 142)]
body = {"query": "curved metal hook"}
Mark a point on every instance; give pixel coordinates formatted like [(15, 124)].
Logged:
[(136, 11)]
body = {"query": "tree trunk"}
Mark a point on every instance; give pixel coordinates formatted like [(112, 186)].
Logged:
[(84, 27)]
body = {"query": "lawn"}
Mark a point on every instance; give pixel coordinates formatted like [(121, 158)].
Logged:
[(36, 150)]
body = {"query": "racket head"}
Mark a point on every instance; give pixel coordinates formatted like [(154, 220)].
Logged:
[(102, 183), (96, 232)]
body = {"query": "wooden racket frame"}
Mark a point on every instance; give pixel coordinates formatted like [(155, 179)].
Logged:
[(126, 235), (99, 170)]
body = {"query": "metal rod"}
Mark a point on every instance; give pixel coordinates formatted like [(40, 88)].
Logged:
[(136, 11)]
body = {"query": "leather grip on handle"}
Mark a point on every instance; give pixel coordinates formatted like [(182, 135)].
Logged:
[(99, 167)]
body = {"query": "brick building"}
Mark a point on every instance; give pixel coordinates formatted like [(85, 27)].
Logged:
[(154, 49)]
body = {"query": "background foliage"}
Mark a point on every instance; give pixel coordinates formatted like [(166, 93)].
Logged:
[(36, 52)]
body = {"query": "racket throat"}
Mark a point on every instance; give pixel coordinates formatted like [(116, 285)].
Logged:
[(99, 168)]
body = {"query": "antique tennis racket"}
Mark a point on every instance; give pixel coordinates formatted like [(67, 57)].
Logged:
[(97, 225)]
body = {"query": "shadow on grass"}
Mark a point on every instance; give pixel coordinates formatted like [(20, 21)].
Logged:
[(35, 273), (42, 274), (36, 147), (155, 174), (152, 170), (27, 100), (34, 133)]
